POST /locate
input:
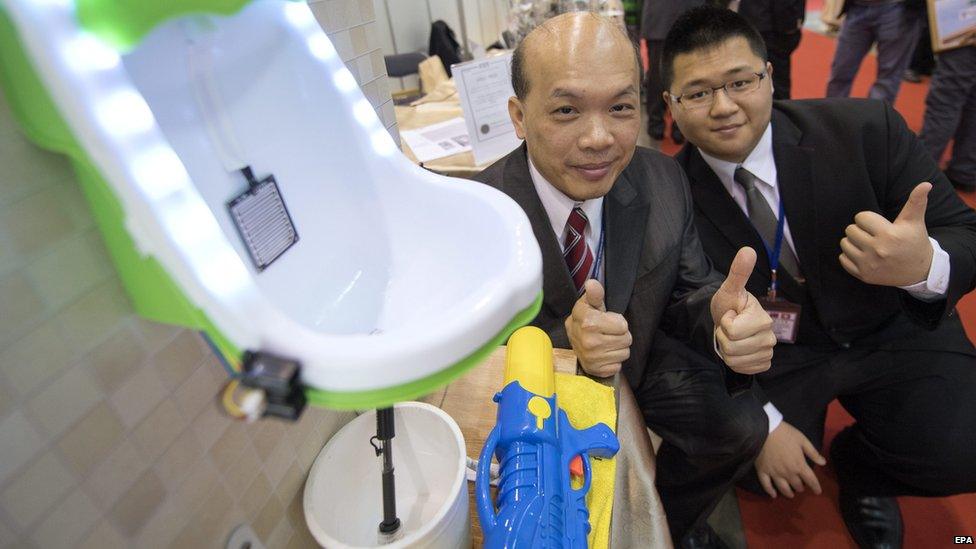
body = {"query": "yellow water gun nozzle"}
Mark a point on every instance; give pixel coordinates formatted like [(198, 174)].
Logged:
[(529, 361)]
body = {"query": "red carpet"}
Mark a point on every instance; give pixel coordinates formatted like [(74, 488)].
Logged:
[(813, 521)]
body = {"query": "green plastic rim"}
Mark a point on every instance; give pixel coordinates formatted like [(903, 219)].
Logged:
[(124, 23), (383, 398)]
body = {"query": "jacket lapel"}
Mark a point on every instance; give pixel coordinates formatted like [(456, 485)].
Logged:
[(557, 289), (794, 171), (717, 205), (625, 216)]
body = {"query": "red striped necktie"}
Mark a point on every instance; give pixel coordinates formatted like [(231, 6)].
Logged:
[(578, 256)]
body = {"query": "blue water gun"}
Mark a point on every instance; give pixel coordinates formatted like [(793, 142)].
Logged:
[(538, 505)]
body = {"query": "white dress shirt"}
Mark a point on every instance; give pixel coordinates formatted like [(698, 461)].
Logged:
[(762, 164), (558, 206)]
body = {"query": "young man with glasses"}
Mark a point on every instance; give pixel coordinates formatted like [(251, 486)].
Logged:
[(867, 249)]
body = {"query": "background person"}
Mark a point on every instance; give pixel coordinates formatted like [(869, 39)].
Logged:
[(894, 25)]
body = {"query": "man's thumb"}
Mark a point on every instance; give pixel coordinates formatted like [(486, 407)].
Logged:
[(593, 293), (740, 271), (914, 209)]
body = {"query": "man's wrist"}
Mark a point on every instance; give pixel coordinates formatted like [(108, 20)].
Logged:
[(775, 416), (935, 285)]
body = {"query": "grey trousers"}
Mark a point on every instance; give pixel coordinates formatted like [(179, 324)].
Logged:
[(894, 28), (950, 112)]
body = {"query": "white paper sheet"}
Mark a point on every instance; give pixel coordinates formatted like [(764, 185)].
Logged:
[(438, 140), (953, 20)]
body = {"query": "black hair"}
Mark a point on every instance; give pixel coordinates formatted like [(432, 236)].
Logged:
[(520, 81), (706, 27)]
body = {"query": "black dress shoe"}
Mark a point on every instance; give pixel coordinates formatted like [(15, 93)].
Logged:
[(873, 522), (702, 537)]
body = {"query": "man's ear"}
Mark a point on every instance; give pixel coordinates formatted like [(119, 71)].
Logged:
[(517, 114), (769, 75)]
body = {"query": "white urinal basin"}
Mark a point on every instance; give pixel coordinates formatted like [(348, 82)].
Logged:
[(398, 274)]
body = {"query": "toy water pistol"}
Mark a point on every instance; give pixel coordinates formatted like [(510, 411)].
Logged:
[(538, 503)]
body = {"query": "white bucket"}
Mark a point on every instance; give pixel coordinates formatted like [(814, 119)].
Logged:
[(344, 497)]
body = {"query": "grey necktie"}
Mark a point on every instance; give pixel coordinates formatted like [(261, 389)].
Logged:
[(764, 220)]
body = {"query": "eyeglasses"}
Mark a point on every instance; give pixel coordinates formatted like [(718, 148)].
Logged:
[(735, 89)]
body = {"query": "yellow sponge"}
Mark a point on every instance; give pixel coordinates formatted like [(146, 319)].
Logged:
[(587, 403)]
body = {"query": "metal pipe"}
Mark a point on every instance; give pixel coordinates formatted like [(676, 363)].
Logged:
[(385, 433)]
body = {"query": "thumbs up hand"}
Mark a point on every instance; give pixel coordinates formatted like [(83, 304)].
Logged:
[(743, 330), (600, 339), (890, 253)]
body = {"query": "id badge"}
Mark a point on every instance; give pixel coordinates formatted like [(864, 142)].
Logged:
[(785, 315)]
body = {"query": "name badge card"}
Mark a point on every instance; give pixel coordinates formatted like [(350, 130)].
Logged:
[(785, 315)]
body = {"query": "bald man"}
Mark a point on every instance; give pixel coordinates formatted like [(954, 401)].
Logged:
[(626, 283)]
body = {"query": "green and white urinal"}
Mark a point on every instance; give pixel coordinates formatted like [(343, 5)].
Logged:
[(399, 280)]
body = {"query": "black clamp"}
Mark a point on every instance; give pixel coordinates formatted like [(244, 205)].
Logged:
[(279, 378)]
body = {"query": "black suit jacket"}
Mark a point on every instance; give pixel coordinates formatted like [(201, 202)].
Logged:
[(835, 158), (656, 273)]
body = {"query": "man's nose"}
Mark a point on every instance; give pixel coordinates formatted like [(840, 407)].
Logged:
[(722, 104), (597, 134)]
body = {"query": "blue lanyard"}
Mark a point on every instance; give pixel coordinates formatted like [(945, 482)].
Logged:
[(595, 273), (773, 254)]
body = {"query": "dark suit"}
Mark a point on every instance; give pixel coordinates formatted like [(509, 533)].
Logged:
[(657, 276), (903, 367), (778, 21)]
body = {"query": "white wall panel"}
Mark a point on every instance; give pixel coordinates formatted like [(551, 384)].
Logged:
[(383, 27), (501, 11), (447, 11), (404, 25), (473, 17), (411, 24)]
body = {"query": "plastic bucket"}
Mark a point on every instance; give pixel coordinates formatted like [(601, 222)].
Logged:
[(343, 498)]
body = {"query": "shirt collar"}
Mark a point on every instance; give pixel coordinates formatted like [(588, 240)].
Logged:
[(760, 162), (558, 206)]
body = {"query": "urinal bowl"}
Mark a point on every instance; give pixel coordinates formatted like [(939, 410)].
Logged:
[(401, 278)]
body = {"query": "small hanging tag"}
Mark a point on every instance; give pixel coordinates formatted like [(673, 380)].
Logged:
[(263, 221), (785, 316)]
